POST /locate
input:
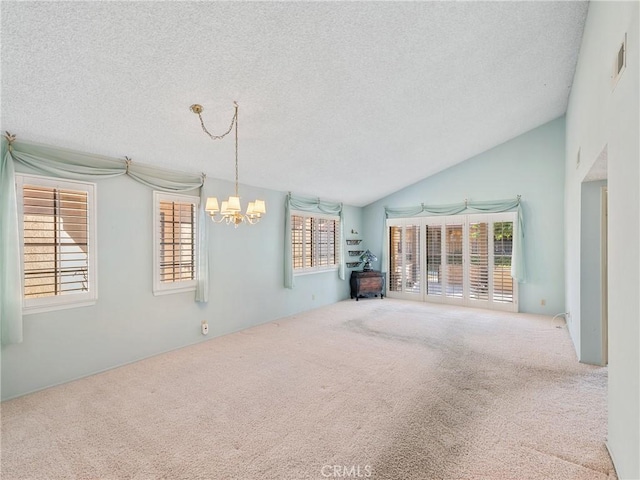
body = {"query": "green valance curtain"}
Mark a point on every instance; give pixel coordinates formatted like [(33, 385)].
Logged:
[(313, 205), (70, 164), (518, 271)]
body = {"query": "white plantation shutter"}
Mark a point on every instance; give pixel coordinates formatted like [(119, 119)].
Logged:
[(405, 265), (503, 283), (321, 242), (308, 252), (453, 265), (395, 258), (175, 234), (434, 260), (297, 241), (58, 242), (412, 269), (479, 260), (177, 241)]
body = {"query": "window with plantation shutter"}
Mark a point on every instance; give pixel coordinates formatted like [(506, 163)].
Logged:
[(175, 234), (57, 223), (315, 242)]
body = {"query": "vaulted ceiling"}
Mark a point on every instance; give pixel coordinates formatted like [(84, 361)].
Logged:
[(345, 101)]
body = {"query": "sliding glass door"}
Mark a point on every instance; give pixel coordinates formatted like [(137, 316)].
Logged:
[(462, 259)]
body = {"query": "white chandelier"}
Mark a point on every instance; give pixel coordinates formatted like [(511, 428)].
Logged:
[(231, 211)]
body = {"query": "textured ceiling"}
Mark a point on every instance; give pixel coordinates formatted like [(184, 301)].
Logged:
[(345, 101)]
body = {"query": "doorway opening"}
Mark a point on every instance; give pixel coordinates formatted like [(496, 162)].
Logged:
[(593, 264)]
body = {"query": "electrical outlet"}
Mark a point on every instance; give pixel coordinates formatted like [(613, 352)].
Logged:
[(205, 327)]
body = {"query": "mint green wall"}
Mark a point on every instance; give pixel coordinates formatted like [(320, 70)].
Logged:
[(128, 323), (531, 165), (598, 118)]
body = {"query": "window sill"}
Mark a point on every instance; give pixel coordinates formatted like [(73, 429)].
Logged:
[(169, 291), (299, 273), (60, 306)]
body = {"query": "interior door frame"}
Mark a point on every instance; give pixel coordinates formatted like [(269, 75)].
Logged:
[(604, 276)]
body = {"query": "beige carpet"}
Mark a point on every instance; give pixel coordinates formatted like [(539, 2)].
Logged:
[(380, 389)]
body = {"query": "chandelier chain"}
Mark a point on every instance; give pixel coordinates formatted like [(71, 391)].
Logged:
[(235, 120), (219, 137)]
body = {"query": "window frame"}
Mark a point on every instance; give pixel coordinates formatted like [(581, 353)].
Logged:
[(299, 271), (71, 300), (180, 286)]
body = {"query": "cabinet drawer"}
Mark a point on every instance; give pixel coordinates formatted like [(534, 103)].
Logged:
[(371, 283)]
